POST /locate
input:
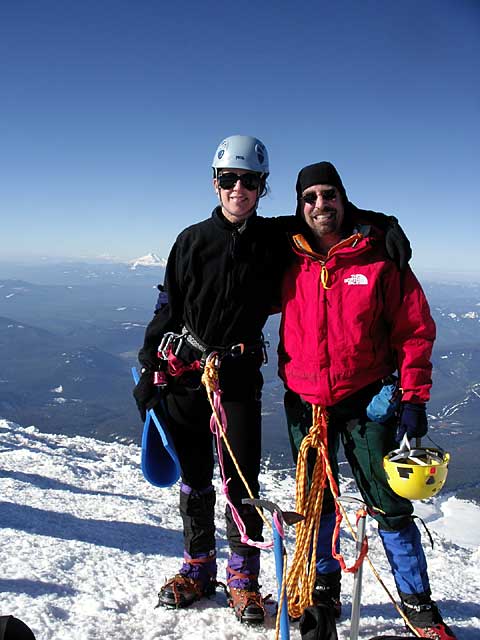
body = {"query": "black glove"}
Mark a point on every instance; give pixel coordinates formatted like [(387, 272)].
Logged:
[(146, 394), (412, 421)]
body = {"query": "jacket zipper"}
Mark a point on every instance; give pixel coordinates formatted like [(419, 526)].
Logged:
[(228, 287)]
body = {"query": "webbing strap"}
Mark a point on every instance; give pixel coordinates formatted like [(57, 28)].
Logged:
[(177, 367)]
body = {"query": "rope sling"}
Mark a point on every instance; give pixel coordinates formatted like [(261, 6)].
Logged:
[(302, 574), (218, 426)]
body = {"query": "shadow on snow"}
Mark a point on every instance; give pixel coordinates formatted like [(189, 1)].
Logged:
[(126, 536)]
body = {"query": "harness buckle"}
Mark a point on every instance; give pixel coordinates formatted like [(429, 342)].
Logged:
[(212, 356), (237, 350), (165, 343), (179, 340)]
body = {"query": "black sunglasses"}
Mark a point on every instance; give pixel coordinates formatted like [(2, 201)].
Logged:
[(250, 181), (328, 194)]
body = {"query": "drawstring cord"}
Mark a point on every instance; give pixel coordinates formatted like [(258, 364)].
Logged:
[(324, 277)]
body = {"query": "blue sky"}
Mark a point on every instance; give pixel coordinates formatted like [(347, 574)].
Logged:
[(112, 110)]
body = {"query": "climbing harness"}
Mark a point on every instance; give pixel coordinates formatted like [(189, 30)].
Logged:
[(196, 352)]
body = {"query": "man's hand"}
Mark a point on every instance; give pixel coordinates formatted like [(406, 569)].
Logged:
[(146, 394), (412, 421)]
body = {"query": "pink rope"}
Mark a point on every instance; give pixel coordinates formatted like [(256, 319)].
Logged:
[(217, 403), (278, 525)]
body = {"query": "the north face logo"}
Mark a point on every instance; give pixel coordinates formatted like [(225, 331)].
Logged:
[(356, 278)]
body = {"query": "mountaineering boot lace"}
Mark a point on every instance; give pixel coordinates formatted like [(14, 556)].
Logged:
[(196, 579), (327, 591), (243, 589), (425, 617), (247, 603)]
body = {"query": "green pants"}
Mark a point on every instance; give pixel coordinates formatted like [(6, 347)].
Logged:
[(365, 444)]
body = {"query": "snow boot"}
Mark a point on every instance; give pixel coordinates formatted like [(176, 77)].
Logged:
[(12, 628), (196, 579), (243, 589), (327, 591), (424, 616), (318, 623)]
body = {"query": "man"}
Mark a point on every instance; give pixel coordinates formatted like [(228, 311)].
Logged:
[(350, 320)]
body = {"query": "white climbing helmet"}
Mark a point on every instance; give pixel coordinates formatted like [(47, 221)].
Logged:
[(241, 152)]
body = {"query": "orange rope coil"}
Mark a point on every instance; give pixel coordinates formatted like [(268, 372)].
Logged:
[(302, 574)]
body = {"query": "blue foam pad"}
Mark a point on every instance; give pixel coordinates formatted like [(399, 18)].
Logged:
[(160, 465)]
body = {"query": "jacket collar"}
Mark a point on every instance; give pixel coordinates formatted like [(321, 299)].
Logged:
[(220, 221), (360, 233)]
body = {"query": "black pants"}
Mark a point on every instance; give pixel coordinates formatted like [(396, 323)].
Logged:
[(189, 414)]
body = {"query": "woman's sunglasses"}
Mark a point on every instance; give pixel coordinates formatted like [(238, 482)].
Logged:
[(250, 181)]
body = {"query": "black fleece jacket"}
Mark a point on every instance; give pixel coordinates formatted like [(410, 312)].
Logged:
[(222, 281)]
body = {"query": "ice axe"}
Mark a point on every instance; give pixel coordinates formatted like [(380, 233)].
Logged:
[(357, 579), (279, 518)]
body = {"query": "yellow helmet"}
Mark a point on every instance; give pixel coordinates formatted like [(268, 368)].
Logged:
[(416, 474)]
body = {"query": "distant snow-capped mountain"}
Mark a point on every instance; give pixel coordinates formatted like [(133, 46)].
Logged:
[(150, 260)]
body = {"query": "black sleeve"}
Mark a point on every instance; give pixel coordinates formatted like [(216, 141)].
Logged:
[(168, 317), (282, 227), (289, 224), (375, 218), (396, 242)]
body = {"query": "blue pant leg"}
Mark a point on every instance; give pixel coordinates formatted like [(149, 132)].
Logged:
[(299, 419), (407, 559), (325, 562)]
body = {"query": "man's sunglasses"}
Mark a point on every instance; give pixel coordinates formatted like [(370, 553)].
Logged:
[(250, 181), (328, 194)]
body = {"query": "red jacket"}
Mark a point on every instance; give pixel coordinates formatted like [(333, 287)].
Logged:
[(350, 320)]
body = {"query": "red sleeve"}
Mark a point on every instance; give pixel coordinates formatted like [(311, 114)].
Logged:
[(412, 333)]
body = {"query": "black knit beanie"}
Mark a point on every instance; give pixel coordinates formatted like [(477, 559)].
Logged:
[(318, 173)]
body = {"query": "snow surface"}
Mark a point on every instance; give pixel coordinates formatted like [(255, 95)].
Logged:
[(86, 544)]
